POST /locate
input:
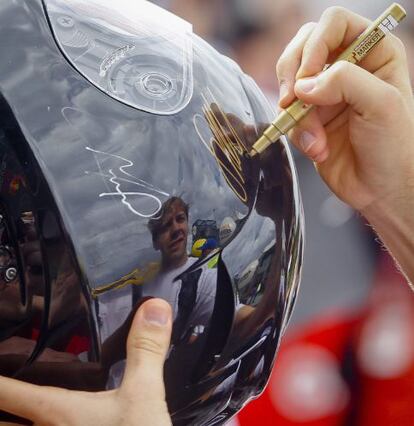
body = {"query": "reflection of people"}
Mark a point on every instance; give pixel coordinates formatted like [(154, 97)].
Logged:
[(190, 290), (361, 138), (169, 236), (192, 295), (170, 232)]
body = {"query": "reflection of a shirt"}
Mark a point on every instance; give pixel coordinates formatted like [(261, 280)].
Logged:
[(165, 286), (116, 305)]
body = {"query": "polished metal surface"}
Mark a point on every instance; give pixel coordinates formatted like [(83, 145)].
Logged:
[(103, 205)]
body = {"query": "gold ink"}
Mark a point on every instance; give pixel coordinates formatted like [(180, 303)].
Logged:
[(225, 145)]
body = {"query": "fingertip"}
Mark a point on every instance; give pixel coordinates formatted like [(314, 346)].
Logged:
[(151, 328), (156, 312), (286, 101), (322, 157), (305, 86), (307, 141), (318, 153), (147, 346), (306, 70), (311, 139)]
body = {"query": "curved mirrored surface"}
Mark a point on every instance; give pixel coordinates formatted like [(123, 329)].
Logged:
[(121, 205), (134, 51)]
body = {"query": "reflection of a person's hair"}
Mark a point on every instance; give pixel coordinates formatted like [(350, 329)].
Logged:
[(192, 308), (170, 232), (193, 300)]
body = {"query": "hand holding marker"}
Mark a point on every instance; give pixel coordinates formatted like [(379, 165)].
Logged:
[(291, 116)]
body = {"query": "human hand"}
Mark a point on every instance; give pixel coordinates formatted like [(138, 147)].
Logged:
[(360, 134), (139, 401)]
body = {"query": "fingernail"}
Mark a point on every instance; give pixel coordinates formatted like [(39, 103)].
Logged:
[(306, 85), (155, 314), (307, 140)]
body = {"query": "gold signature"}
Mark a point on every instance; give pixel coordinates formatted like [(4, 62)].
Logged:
[(226, 146)]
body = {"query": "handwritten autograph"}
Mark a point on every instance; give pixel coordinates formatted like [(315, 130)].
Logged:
[(225, 146), (127, 178)]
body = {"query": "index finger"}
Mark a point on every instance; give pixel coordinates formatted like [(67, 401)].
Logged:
[(29, 401), (336, 30)]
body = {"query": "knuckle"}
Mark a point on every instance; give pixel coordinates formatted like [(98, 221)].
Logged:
[(334, 12), (284, 64), (305, 28), (311, 46), (282, 67), (148, 345), (340, 69), (398, 45), (394, 98)]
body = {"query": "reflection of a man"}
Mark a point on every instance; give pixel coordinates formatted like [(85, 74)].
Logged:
[(189, 289), (170, 232), (191, 295)]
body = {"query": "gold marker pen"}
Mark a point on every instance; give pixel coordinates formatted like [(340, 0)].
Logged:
[(289, 117)]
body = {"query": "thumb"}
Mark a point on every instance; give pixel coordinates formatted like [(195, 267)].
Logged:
[(349, 83), (147, 346)]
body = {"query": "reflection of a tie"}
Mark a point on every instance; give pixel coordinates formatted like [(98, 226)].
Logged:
[(186, 303)]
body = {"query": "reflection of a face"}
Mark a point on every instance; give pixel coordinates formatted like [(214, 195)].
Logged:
[(171, 238)]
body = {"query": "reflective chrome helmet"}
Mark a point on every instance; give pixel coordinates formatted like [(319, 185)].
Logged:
[(124, 138)]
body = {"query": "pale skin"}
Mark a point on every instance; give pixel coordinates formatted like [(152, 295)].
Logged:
[(363, 131), (361, 134), (139, 401)]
